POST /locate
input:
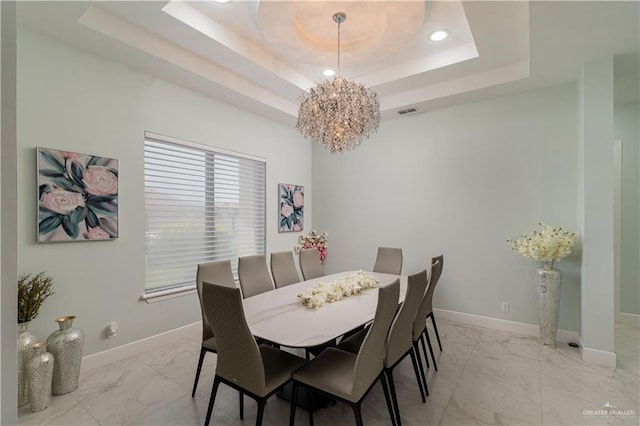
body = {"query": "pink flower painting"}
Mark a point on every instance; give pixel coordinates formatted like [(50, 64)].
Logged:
[(291, 207), (78, 196)]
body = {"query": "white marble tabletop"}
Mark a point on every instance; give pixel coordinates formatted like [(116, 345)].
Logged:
[(280, 317)]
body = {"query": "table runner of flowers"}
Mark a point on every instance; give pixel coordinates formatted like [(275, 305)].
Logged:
[(329, 292)]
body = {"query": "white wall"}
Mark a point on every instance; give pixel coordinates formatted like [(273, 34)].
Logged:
[(626, 128), (8, 216), (460, 181), (596, 206), (71, 100)]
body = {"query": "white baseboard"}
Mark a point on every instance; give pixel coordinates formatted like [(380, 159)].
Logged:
[(631, 319), (598, 357), (594, 356), (118, 353), (564, 336)]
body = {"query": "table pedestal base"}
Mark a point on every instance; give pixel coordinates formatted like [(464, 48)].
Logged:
[(317, 401)]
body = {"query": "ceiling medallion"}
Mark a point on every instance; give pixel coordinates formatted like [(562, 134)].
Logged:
[(338, 113)]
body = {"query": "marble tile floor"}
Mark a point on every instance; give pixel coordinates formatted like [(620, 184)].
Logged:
[(485, 377)]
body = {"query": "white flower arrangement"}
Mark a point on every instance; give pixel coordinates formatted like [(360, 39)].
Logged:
[(331, 292), (547, 246)]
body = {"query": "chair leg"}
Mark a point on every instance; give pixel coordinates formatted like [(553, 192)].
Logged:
[(294, 403), (195, 382), (435, 328), (387, 397), (358, 413), (212, 398), (424, 377), (433, 358), (394, 395), (241, 405), (417, 368), (260, 414), (309, 405), (424, 348)]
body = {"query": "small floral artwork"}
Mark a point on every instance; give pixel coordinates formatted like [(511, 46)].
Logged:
[(291, 207), (77, 196)]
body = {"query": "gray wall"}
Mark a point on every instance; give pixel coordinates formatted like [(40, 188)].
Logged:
[(460, 181), (71, 100), (626, 119)]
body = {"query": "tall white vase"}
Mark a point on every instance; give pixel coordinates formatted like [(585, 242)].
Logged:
[(549, 279)]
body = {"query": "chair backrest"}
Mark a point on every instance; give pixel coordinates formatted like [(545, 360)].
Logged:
[(436, 270), (239, 359), (426, 307), (310, 264), (388, 260), (369, 361), (400, 337), (283, 269), (218, 272), (254, 275)]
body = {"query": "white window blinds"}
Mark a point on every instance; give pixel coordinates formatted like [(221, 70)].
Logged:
[(201, 205)]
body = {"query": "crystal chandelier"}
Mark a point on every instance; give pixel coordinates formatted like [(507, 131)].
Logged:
[(339, 113)]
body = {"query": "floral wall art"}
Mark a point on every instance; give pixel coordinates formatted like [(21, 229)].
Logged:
[(291, 207), (77, 196)]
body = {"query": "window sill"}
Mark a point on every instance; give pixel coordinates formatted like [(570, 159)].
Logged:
[(159, 296)]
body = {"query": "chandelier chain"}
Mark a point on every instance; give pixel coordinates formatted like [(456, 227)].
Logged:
[(339, 47)]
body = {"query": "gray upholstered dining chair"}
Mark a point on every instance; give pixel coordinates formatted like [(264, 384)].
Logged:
[(254, 275), (256, 371), (219, 272), (388, 260), (310, 264), (399, 340), (283, 269), (346, 376), (420, 331)]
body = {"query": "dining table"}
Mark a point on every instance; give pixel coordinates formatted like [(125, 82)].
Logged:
[(278, 316)]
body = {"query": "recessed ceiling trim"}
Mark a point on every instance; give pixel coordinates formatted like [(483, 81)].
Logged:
[(220, 34), (501, 75), (119, 29), (420, 65)]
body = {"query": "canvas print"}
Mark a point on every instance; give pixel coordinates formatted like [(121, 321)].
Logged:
[(291, 207), (77, 196)]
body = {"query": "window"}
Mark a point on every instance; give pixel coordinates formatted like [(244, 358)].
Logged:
[(201, 204)]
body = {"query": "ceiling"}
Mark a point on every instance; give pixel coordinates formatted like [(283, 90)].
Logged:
[(261, 56)]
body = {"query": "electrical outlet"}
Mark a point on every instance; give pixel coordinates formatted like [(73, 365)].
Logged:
[(506, 308), (112, 330)]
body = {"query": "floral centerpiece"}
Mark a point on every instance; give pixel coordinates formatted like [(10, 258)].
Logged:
[(349, 285), (547, 246), (32, 292), (313, 239)]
